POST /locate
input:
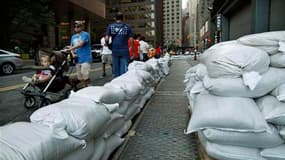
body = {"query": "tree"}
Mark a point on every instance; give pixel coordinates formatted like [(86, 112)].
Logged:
[(25, 21)]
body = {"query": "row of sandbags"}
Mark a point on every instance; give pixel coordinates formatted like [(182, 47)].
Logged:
[(236, 96), (90, 124)]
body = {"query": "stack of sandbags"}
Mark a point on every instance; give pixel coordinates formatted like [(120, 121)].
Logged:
[(23, 140), (231, 124), (90, 124)]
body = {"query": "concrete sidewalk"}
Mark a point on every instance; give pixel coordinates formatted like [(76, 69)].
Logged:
[(158, 132)]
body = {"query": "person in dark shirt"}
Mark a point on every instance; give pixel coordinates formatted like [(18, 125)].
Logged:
[(120, 33)]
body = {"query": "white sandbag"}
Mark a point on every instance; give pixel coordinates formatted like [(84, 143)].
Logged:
[(266, 104), (233, 60), (140, 65), (226, 113), (278, 60), (282, 132), (235, 87), (81, 118), (229, 152), (112, 107), (31, 141), (272, 109), (82, 153), (281, 46), (99, 149), (101, 94), (276, 153), (268, 41), (115, 124), (125, 128), (131, 89), (195, 90), (279, 92), (164, 66), (277, 115), (196, 72), (142, 99), (112, 143), (146, 76), (132, 111), (270, 138), (123, 106)]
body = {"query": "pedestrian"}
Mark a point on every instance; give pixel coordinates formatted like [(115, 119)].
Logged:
[(106, 55), (144, 47), (120, 33), (134, 55), (157, 51), (81, 51), (42, 77)]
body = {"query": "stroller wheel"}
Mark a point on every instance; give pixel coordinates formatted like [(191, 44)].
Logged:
[(45, 102), (30, 102)]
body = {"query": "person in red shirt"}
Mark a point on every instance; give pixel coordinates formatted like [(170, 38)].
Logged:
[(157, 51), (134, 56)]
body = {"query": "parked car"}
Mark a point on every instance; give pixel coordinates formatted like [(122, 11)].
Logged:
[(9, 62)]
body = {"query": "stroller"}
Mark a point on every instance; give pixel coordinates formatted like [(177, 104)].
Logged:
[(42, 94)]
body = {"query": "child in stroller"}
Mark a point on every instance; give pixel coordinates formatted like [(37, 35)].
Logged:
[(48, 82)]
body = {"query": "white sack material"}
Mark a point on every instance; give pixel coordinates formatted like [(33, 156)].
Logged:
[(196, 72), (282, 132), (30, 141), (112, 143), (101, 94), (81, 118), (115, 124), (267, 139), (281, 46), (277, 115), (272, 109), (82, 153), (125, 128), (112, 107), (131, 89), (278, 60), (234, 87), (228, 152), (277, 153), (100, 147), (279, 92), (230, 59), (164, 65), (268, 41), (226, 113), (140, 65), (144, 75), (266, 104)]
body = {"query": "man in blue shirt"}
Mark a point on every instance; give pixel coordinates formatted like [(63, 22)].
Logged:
[(120, 33), (81, 51)]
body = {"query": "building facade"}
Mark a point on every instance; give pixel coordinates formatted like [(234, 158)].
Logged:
[(140, 15), (66, 11), (233, 19), (172, 24)]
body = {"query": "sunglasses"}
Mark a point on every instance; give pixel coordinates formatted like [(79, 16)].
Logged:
[(77, 26)]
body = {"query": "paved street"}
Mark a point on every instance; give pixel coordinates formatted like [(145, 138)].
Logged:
[(12, 101)]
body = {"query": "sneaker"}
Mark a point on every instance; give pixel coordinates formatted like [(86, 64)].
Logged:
[(27, 79)]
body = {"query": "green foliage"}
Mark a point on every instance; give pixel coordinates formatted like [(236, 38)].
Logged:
[(28, 19)]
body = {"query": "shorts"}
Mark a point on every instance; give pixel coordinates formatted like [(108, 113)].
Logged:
[(83, 71), (106, 58)]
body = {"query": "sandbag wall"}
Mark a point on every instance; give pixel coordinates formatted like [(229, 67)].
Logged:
[(237, 98), (90, 124)]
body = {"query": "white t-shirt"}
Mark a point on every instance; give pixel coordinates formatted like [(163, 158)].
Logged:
[(144, 46), (105, 49)]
